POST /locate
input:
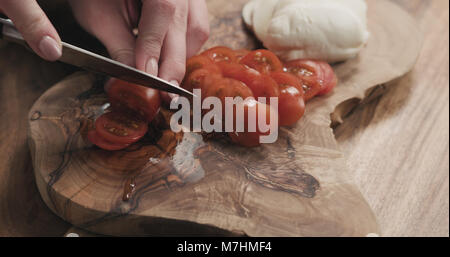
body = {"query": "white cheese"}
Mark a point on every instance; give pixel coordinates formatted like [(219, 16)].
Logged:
[(329, 30)]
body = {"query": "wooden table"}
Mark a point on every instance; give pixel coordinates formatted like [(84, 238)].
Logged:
[(397, 145)]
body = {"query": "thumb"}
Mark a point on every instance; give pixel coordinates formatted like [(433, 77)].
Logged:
[(35, 27)]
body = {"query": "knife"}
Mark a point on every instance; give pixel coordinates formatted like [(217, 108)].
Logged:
[(96, 63)]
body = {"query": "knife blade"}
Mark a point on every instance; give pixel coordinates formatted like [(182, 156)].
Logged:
[(96, 63)]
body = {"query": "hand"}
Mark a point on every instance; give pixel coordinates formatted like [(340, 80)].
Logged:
[(169, 31), (35, 27)]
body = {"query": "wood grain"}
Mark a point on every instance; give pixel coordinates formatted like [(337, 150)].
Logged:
[(22, 211), (298, 186), (398, 146), (397, 215)]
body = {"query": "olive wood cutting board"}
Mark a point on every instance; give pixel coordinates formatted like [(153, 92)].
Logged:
[(189, 184)]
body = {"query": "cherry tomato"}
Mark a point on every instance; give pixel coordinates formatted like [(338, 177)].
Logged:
[(287, 79), (131, 97), (247, 138), (220, 53), (120, 128), (200, 62), (263, 61), (104, 144), (309, 73), (328, 78), (262, 85), (199, 78), (226, 87), (291, 106), (240, 54)]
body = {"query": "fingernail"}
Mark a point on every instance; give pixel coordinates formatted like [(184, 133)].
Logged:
[(50, 48), (174, 82), (152, 67)]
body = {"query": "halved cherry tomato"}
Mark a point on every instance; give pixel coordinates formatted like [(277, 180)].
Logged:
[(120, 128), (131, 97), (220, 53), (263, 61), (247, 138), (287, 79), (308, 72), (200, 62), (104, 144), (328, 78), (241, 53), (291, 106), (227, 87), (262, 85), (198, 79)]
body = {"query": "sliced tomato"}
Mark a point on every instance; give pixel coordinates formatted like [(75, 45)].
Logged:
[(199, 78), (263, 61), (230, 69), (120, 128), (247, 138), (200, 62), (309, 73), (291, 105), (104, 144), (145, 102), (262, 85), (220, 53), (240, 53), (227, 87), (328, 79), (287, 79)]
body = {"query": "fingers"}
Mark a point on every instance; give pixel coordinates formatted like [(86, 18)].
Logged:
[(109, 26), (35, 27), (198, 26), (120, 43), (156, 17), (173, 56)]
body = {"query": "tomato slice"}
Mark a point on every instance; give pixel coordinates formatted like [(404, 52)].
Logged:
[(291, 105), (328, 79), (308, 72), (200, 62), (240, 54), (262, 85), (220, 53), (104, 144), (145, 102), (227, 87), (247, 138), (287, 79), (120, 128), (263, 61), (199, 78)]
